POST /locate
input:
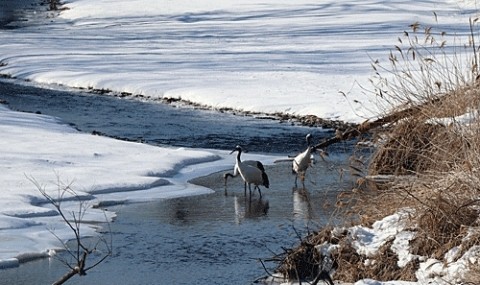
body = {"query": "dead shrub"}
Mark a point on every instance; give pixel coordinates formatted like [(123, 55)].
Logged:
[(433, 146), (350, 266), (411, 149), (304, 262), (301, 263), (441, 227)]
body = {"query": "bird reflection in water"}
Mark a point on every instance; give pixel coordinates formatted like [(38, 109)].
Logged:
[(249, 208), (302, 206)]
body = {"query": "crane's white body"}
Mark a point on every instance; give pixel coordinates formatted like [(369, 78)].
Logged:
[(302, 161), (252, 172), (254, 163)]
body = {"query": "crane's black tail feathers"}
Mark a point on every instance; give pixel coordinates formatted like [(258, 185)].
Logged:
[(260, 166), (266, 183)]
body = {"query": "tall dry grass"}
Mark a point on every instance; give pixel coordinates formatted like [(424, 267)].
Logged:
[(427, 162), (432, 157)]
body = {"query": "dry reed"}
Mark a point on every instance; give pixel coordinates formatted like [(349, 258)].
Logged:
[(431, 159)]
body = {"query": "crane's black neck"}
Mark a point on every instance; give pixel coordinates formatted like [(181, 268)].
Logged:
[(238, 155)]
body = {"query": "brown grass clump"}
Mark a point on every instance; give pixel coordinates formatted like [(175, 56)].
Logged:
[(423, 143), (383, 266), (304, 262), (443, 189), (414, 153), (441, 227), (301, 263)]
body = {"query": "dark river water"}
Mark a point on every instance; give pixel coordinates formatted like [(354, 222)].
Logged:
[(14, 13), (160, 124), (207, 239)]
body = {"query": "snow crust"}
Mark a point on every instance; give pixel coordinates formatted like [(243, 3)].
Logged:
[(304, 57)]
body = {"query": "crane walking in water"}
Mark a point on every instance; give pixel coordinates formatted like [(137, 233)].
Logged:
[(254, 163), (252, 172), (302, 161)]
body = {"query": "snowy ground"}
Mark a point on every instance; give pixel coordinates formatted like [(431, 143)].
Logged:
[(265, 56)]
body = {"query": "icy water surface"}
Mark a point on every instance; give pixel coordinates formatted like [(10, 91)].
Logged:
[(209, 239)]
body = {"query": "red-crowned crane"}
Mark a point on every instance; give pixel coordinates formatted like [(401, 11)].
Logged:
[(302, 161), (254, 163), (251, 174)]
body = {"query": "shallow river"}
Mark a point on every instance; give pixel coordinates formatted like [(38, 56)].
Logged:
[(157, 123), (208, 239)]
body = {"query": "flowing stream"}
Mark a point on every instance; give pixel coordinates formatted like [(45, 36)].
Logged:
[(210, 239)]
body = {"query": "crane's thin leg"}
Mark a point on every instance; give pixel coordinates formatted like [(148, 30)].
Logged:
[(304, 175), (225, 178), (245, 188), (249, 189), (259, 192)]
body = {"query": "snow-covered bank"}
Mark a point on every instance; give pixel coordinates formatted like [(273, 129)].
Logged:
[(100, 170), (268, 56), (392, 231), (277, 56)]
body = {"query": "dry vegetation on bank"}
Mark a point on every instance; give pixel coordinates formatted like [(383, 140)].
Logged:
[(426, 162)]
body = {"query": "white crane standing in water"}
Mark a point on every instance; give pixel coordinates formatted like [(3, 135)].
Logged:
[(254, 163), (251, 171), (302, 161)]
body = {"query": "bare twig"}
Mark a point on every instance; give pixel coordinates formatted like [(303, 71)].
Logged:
[(82, 251)]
